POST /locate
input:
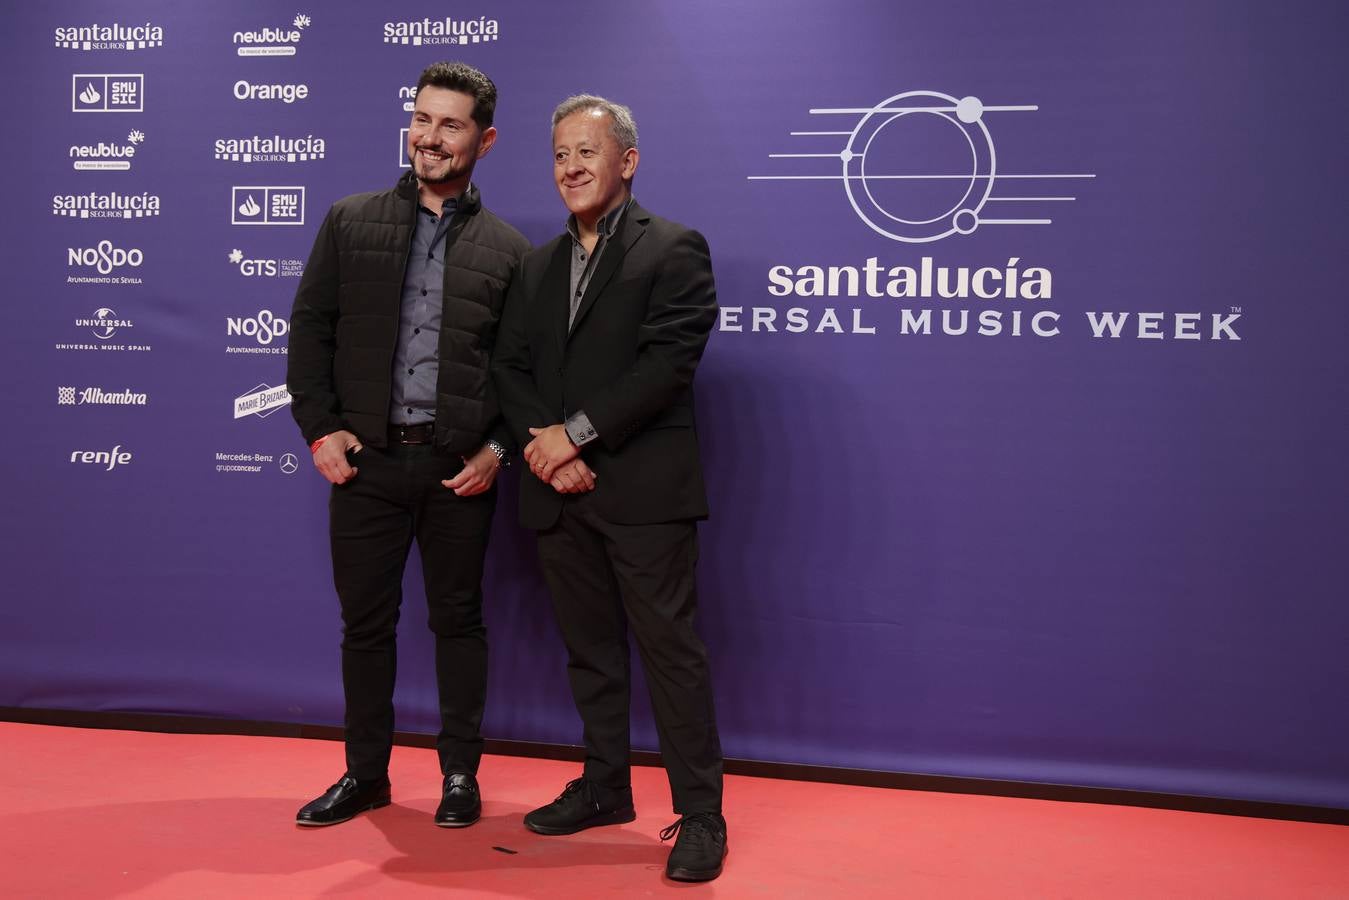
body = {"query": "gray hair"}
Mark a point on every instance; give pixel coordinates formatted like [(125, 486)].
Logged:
[(621, 124)]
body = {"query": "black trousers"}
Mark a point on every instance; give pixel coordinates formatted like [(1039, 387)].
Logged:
[(604, 579), (396, 498)]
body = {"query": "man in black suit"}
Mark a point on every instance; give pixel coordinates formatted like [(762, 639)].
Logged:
[(602, 332)]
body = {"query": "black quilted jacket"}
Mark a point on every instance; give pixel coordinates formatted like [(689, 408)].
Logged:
[(344, 324)]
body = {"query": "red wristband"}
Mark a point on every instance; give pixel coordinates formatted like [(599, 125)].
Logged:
[(314, 447)]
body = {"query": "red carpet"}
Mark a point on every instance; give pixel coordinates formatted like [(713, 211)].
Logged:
[(125, 814)]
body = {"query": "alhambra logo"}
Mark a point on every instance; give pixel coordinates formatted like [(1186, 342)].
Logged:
[(112, 205), (449, 30), (921, 166), (107, 156), (279, 40), (110, 37), (71, 396)]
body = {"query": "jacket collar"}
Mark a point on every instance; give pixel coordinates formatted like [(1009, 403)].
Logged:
[(469, 202)]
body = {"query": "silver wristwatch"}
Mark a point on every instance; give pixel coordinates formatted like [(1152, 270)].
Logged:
[(503, 457)]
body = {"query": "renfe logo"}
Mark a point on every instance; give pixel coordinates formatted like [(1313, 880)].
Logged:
[(110, 458)]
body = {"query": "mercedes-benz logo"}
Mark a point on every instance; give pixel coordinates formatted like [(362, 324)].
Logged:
[(289, 463)]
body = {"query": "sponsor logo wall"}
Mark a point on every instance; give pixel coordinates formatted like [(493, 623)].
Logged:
[(1028, 349)]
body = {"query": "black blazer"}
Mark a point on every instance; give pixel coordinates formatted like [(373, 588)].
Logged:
[(628, 363)]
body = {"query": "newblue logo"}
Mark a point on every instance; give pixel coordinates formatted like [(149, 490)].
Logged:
[(110, 37), (107, 93), (106, 156), (272, 41)]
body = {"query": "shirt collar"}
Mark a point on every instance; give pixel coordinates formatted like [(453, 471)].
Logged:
[(607, 224)]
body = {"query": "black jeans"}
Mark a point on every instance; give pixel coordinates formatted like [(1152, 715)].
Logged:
[(395, 498), (605, 578)]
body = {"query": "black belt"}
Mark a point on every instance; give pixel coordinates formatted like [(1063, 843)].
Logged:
[(412, 434)]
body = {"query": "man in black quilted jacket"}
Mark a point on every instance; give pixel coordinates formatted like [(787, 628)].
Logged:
[(390, 338)]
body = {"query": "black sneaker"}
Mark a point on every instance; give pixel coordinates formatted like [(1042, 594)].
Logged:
[(582, 805), (460, 801), (343, 801), (701, 847)]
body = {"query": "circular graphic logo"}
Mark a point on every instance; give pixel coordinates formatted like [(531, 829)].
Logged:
[(919, 166), (289, 463)]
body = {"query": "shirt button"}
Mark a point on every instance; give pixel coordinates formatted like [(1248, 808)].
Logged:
[(423, 292), (410, 371), (409, 409), (417, 330), (583, 257)]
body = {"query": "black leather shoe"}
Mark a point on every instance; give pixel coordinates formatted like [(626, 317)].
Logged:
[(343, 801), (582, 805), (460, 802), (701, 847)]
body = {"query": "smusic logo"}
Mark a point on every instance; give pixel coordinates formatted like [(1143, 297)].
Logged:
[(107, 93), (267, 205)]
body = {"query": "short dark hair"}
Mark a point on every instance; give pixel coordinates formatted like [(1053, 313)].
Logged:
[(465, 79)]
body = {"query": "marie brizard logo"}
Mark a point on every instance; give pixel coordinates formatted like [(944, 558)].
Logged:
[(920, 166), (261, 401)]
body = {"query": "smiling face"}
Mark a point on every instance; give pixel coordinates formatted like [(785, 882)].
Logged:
[(443, 140), (593, 173)]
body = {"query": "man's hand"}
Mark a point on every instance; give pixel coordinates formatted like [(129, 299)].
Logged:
[(550, 448), (331, 457), (574, 477), (477, 475)]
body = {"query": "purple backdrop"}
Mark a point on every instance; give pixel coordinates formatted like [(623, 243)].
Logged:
[(1031, 550)]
